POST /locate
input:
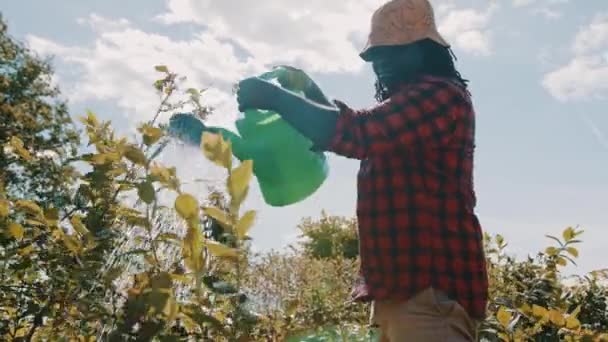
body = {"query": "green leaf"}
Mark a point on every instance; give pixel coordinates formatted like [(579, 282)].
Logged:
[(146, 192), (238, 182), (245, 223), (135, 155), (186, 206), (219, 216), (161, 68), (16, 230), (220, 250)]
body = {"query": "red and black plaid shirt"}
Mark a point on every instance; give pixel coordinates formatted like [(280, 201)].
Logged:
[(417, 226)]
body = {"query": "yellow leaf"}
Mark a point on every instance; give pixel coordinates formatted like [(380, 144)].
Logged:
[(504, 337), (525, 308), (151, 134), (16, 230), (171, 310), (78, 226), (562, 262), (105, 158), (504, 317), (218, 215), (51, 214), (21, 332), (181, 278), (551, 251), (72, 244), (217, 150), (557, 318), (220, 250), (29, 207), (576, 311), (4, 208), (539, 311), (192, 248), (162, 174), (572, 323), (161, 68), (90, 120), (17, 145), (135, 155), (25, 251), (245, 223), (573, 251), (238, 182), (186, 206), (569, 234)]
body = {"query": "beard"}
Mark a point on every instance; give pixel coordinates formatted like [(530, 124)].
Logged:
[(391, 80)]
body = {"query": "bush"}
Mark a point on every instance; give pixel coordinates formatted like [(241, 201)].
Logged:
[(529, 300)]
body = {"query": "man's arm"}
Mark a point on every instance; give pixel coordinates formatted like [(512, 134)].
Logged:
[(315, 121), (421, 115)]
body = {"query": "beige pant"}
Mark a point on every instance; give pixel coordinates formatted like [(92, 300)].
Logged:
[(429, 316)]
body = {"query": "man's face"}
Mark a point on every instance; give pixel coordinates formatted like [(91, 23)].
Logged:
[(392, 64)]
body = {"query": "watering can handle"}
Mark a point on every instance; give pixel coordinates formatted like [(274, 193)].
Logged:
[(311, 91)]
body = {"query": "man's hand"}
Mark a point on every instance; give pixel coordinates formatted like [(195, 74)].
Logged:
[(256, 93)]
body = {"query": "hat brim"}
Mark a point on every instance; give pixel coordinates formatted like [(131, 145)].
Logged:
[(366, 53)]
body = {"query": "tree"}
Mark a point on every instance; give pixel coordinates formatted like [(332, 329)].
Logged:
[(330, 236), (36, 130), (99, 253)]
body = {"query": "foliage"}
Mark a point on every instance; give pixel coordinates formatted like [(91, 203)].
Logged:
[(329, 237), (529, 299), (98, 254), (296, 292)]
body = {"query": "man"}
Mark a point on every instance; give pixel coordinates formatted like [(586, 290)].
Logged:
[(421, 247)]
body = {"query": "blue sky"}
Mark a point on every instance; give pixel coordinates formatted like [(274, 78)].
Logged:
[(538, 71)]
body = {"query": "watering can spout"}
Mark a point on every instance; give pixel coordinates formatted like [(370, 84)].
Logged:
[(189, 128)]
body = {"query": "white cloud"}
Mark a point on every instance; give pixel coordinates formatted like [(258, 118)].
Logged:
[(594, 37), (317, 35), (467, 29), (119, 66), (586, 75), (545, 8), (320, 35)]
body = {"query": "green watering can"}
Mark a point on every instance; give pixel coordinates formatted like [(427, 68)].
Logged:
[(283, 163)]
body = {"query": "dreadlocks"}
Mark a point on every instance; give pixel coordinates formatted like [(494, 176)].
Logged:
[(438, 61)]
